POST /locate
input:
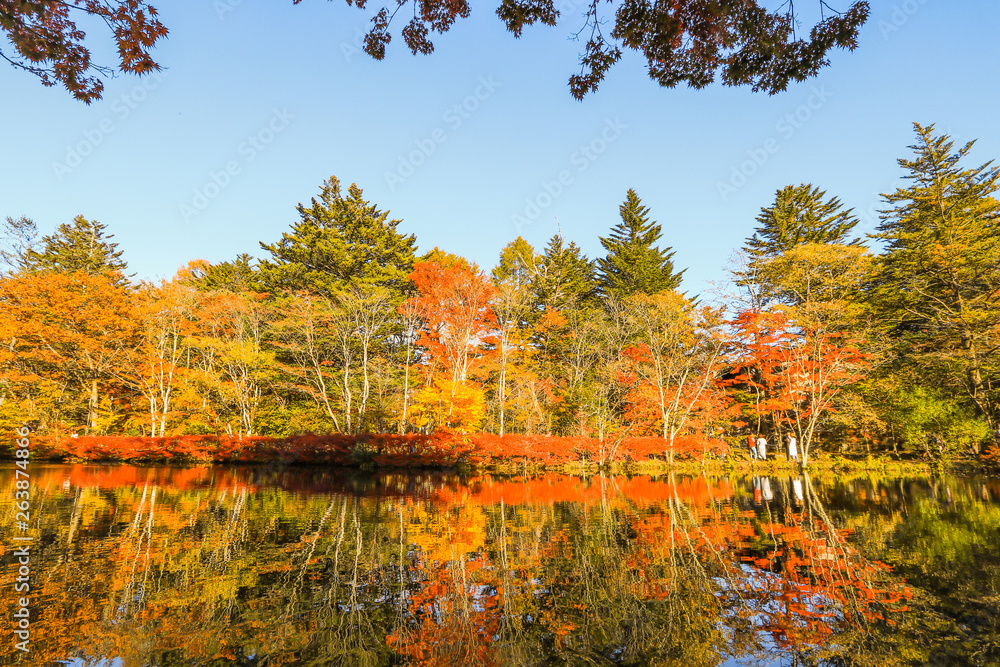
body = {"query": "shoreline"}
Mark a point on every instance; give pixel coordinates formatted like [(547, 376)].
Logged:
[(508, 455)]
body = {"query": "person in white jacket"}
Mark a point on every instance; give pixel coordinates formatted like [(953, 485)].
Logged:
[(762, 448), (793, 449)]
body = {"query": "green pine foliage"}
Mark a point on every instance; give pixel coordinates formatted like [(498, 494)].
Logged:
[(82, 245), (564, 277), (800, 214), (634, 264), (339, 241), (238, 275)]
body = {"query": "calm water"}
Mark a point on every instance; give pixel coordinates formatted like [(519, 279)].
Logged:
[(289, 566)]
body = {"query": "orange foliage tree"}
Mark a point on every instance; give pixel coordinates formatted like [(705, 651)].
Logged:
[(815, 370), (67, 334), (793, 373), (453, 302), (166, 315), (758, 338), (674, 366), (230, 368)]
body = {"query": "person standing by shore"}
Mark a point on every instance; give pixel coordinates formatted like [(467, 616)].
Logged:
[(753, 447), (793, 448), (762, 448)]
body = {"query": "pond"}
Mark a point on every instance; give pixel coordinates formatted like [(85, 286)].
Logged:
[(288, 566)]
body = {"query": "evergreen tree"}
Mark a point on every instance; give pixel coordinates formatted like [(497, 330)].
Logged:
[(938, 286), (634, 264), (799, 215), (339, 241), (80, 246), (564, 277)]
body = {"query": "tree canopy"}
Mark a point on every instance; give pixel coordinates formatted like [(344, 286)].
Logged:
[(48, 43), (564, 276), (800, 214), (80, 246), (688, 41), (339, 241)]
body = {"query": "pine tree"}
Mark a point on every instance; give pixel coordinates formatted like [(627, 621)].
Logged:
[(564, 277), (80, 246), (939, 282), (634, 264), (799, 215), (339, 241)]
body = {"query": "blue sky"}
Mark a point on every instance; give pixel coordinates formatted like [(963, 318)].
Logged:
[(478, 142)]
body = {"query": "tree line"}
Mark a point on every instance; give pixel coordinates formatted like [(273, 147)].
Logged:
[(342, 327)]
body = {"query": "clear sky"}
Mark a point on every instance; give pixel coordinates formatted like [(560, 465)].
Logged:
[(468, 145)]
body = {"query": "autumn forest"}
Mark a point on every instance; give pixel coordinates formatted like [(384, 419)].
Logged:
[(885, 342)]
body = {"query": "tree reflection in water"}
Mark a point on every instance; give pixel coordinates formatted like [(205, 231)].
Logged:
[(255, 566)]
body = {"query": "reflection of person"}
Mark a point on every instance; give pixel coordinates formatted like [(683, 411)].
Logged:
[(756, 490), (793, 449), (753, 447), (797, 490), (762, 448), (765, 488)]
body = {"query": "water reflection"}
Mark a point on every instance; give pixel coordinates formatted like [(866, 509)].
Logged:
[(281, 566)]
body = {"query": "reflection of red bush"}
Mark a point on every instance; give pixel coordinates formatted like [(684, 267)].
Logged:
[(552, 488), (384, 449)]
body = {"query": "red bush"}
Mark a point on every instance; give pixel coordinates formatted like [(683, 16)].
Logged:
[(439, 449)]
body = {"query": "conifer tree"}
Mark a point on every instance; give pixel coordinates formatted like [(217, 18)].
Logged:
[(564, 276), (634, 263), (80, 246), (939, 282), (800, 214), (339, 241)]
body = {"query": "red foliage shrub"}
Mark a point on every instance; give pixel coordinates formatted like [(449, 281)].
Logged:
[(388, 450)]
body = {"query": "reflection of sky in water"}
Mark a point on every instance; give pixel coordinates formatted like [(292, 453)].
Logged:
[(771, 581)]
